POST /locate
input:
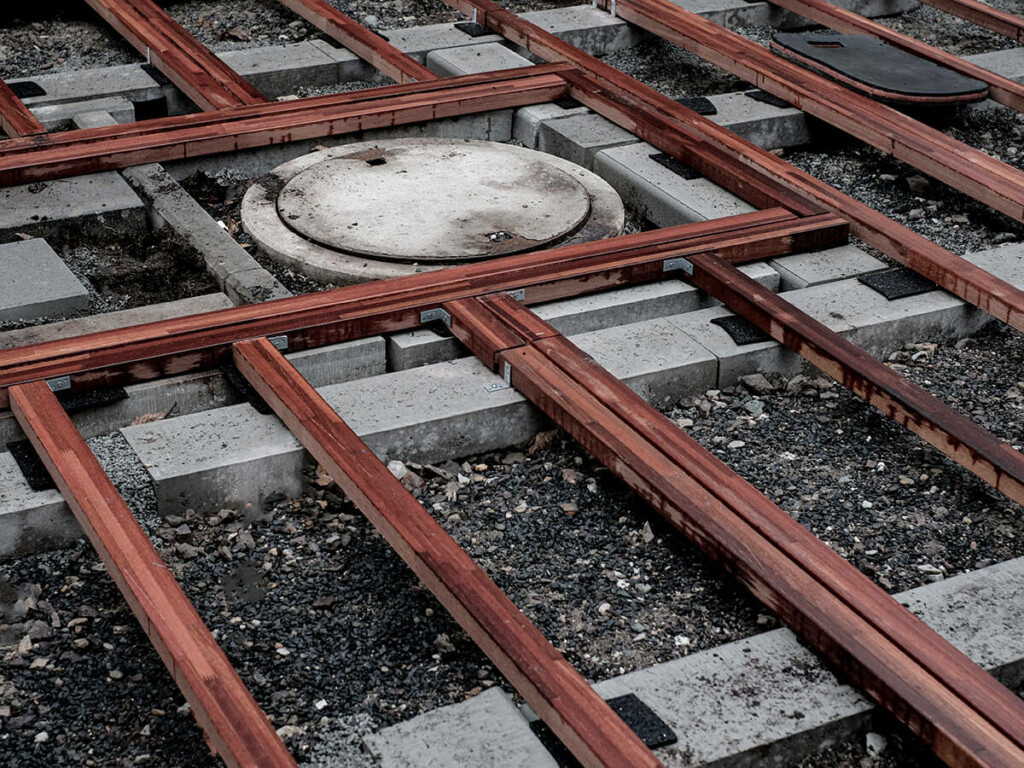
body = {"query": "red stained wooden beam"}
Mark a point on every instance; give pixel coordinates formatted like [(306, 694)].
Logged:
[(556, 691), (15, 118), (1007, 24), (230, 717), (967, 717), (367, 45), (200, 75)]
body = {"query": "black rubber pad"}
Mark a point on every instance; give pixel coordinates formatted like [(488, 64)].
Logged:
[(26, 89), (31, 466), (93, 398), (877, 66), (741, 330), (768, 98), (472, 29), (241, 385), (699, 104), (897, 283), (156, 74), (651, 729), (677, 167)]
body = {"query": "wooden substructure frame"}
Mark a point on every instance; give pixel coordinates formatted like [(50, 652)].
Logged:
[(1006, 24), (966, 717)]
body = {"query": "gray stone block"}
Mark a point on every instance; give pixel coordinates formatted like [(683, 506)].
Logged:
[(419, 41), (127, 81), (1005, 262), (803, 270), (659, 195), (526, 126), (60, 117), (578, 138), (728, 13), (1008, 63), (97, 202), (31, 521), (487, 730), (279, 70), (170, 206), (36, 283), (763, 124), (411, 349), (350, 66), (471, 59), (596, 32)]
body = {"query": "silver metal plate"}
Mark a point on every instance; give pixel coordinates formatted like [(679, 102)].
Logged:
[(671, 265), (430, 315), (280, 342)]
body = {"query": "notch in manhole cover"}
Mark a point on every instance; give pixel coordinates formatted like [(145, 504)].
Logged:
[(641, 719)]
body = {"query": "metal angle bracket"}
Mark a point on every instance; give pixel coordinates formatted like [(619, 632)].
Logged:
[(506, 379), (519, 294), (280, 342), (671, 265), (59, 384), (430, 315)]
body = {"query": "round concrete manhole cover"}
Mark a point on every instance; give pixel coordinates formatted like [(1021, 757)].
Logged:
[(383, 209), (434, 202)]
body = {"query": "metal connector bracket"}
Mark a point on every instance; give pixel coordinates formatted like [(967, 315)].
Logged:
[(671, 265), (506, 379), (430, 315), (280, 342), (519, 294), (59, 384)]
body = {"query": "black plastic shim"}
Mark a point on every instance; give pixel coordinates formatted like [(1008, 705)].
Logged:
[(741, 330), (897, 283), (31, 466), (674, 165), (26, 89), (472, 29), (768, 98), (699, 104)]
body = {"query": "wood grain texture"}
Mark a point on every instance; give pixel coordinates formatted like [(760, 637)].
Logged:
[(15, 118), (181, 345), (200, 75), (1007, 24), (621, 99), (581, 719), (234, 724), (961, 711), (962, 440), (232, 129), (370, 47), (1001, 89)]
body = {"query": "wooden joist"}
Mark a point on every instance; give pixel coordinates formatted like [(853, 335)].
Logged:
[(624, 100), (367, 45), (966, 717), (967, 443), (1000, 89), (232, 129), (556, 691), (984, 15), (200, 75), (973, 172), (230, 717), (15, 118), (146, 352)]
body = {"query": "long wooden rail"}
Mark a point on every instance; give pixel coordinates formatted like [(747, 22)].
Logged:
[(556, 691), (957, 708), (15, 118), (233, 722), (973, 172), (660, 121), (368, 46), (146, 352), (201, 76), (983, 15), (1000, 89), (232, 129)]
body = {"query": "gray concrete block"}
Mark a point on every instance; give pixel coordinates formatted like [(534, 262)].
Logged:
[(870, 8), (526, 126), (97, 202), (31, 521), (419, 41), (579, 138), (660, 195), (235, 456), (36, 283), (1005, 262), (596, 32), (1008, 63), (411, 349), (654, 358), (763, 124), (350, 66), (487, 730), (802, 270), (471, 59), (279, 70), (728, 13), (60, 117), (170, 206), (128, 81)]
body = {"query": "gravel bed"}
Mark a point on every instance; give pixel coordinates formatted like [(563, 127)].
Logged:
[(951, 33)]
